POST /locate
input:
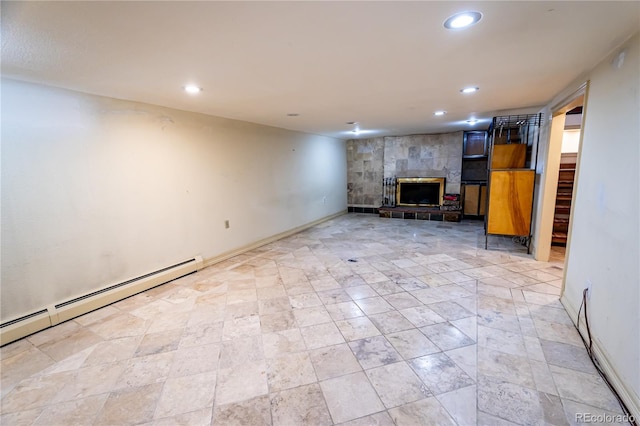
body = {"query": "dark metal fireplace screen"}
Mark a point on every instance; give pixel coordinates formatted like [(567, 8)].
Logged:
[(426, 192)]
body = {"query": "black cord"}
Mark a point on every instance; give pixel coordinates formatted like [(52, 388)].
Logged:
[(594, 360)]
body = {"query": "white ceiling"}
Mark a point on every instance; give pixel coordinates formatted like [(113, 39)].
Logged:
[(386, 65)]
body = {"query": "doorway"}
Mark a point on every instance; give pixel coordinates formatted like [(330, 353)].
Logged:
[(566, 179), (559, 178)]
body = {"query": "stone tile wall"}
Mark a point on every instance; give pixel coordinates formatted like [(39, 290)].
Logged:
[(371, 160), (365, 172)]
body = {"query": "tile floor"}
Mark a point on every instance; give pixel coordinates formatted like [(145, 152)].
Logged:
[(423, 327)]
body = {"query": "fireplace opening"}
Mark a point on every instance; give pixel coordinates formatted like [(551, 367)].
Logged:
[(427, 192)]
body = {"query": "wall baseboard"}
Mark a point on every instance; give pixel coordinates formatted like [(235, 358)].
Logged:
[(227, 255), (629, 397), (24, 326), (18, 328)]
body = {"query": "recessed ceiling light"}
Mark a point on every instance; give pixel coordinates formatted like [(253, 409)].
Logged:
[(472, 121), (462, 20), (351, 122), (192, 89), (293, 114), (440, 113), (469, 89)]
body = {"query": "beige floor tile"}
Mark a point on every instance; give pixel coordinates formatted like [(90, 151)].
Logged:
[(461, 404), (411, 343), (76, 412), (402, 300), (466, 358), (130, 405), (397, 384), (22, 365), (311, 316), (306, 300), (35, 392), (333, 361), (202, 334), (113, 350), (185, 394), (200, 417), (241, 382), (155, 343), (303, 405), (374, 305), (92, 380), (59, 332), (505, 367), (349, 397), (508, 401), (254, 412), (584, 388), (440, 373), (320, 335), (241, 327), (420, 316), (194, 360), (344, 310), (13, 349), (374, 352), (390, 322), (277, 322), (145, 370), (378, 419), (446, 336), (122, 325), (426, 411), (20, 418), (289, 371), (357, 328), (282, 342)]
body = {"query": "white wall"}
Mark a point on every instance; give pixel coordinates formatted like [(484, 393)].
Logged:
[(546, 185), (604, 240), (570, 141), (97, 190)]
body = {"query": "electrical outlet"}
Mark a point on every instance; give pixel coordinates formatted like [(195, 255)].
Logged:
[(588, 287), (226, 224)]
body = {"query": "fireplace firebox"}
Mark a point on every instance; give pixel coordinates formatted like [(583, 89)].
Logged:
[(425, 192)]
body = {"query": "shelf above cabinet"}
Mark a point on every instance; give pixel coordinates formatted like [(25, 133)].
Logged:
[(474, 144)]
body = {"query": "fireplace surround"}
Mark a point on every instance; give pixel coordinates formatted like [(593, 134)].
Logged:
[(420, 192)]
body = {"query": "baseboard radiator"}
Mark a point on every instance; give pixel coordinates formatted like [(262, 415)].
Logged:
[(49, 316)]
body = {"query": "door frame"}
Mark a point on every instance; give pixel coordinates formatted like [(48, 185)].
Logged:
[(549, 178)]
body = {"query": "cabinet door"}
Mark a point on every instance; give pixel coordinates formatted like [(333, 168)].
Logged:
[(483, 200), (471, 199), (509, 156), (510, 202)]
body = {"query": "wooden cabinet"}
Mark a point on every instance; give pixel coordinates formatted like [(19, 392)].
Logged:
[(474, 199), (564, 196), (510, 202), (513, 145)]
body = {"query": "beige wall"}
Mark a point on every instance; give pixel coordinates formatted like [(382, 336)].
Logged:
[(604, 246), (98, 190)]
